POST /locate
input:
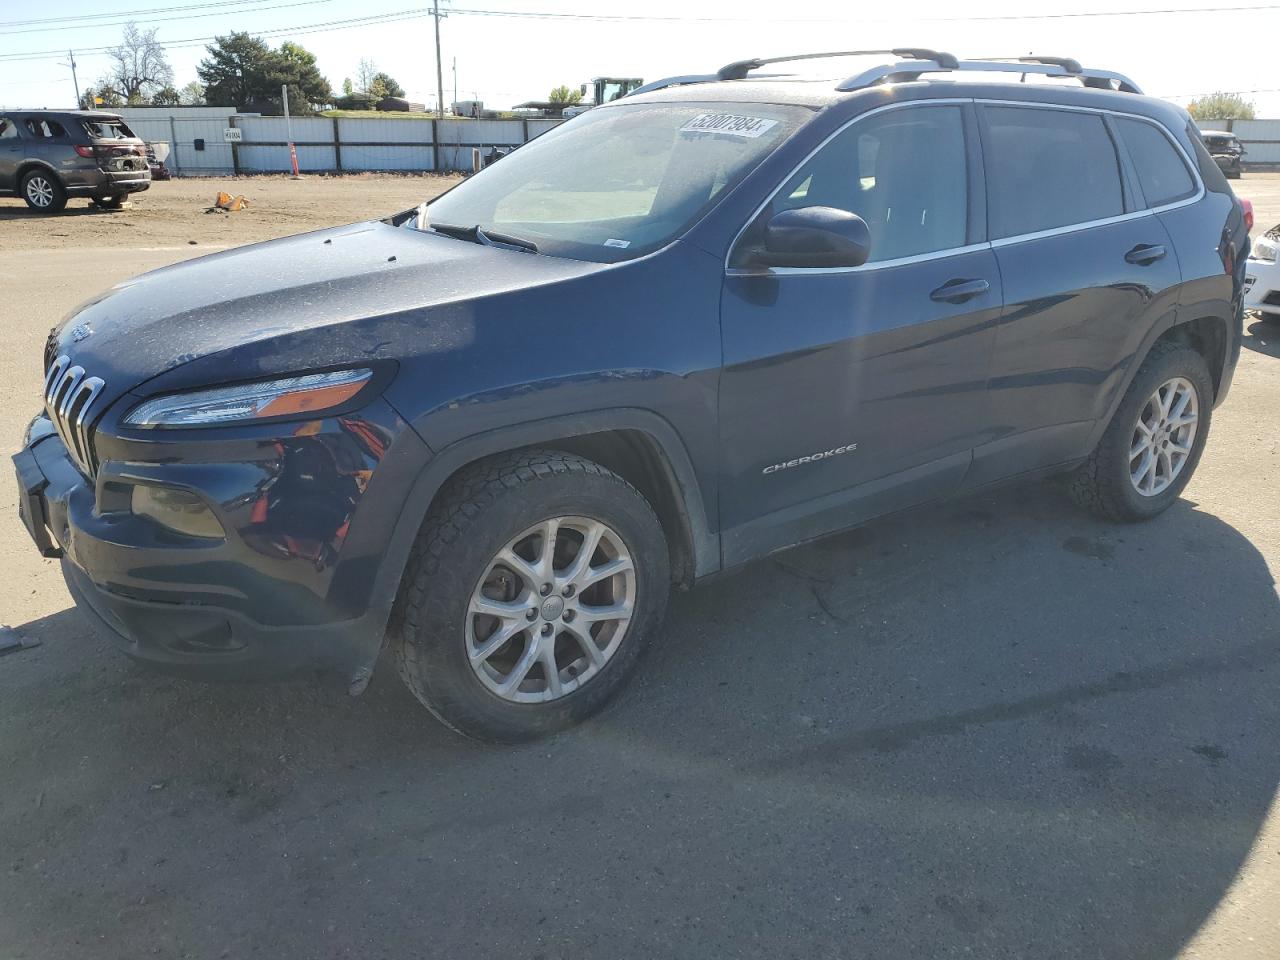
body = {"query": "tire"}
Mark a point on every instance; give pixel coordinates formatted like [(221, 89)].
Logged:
[(498, 506), (1107, 483), (43, 191)]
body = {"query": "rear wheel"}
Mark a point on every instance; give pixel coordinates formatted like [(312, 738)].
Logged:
[(43, 192), (534, 586), (1153, 443)]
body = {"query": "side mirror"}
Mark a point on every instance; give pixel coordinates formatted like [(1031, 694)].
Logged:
[(815, 237)]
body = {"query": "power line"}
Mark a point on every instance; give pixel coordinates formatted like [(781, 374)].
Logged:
[(418, 13), (201, 41), (653, 18), (127, 13), (151, 20)]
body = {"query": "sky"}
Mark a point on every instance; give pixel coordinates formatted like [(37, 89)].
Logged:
[(509, 51)]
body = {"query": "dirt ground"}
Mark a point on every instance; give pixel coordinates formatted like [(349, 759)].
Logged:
[(993, 728), (175, 212)]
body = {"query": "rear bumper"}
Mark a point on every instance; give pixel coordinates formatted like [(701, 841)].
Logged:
[(95, 182)]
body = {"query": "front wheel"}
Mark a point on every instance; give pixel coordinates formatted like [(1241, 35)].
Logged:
[(43, 192), (533, 587), (1153, 443)]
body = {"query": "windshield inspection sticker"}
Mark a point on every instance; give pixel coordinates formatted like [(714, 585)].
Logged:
[(749, 127), (621, 244)]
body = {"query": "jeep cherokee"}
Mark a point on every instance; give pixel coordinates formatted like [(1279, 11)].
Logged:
[(716, 318)]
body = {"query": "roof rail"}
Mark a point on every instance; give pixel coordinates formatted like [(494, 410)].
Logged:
[(918, 61), (1044, 66), (739, 69)]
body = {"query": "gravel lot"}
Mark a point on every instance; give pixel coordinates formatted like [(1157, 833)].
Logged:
[(994, 728)]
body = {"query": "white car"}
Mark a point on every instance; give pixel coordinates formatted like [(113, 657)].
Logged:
[(1262, 275)]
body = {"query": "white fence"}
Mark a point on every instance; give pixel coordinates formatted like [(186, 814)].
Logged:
[(198, 147), (1261, 138)]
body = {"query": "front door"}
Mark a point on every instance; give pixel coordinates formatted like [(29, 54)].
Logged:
[(851, 392)]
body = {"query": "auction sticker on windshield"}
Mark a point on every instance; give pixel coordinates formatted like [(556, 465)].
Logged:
[(732, 124)]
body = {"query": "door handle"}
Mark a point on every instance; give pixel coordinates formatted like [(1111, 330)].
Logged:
[(1145, 253), (958, 291)]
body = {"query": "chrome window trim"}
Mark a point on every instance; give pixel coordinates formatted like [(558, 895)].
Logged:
[(974, 247), (879, 264)]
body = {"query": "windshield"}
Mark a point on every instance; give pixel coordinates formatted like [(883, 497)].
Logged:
[(620, 182)]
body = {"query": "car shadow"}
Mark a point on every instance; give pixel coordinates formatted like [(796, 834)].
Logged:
[(1262, 336), (995, 728), (76, 207)]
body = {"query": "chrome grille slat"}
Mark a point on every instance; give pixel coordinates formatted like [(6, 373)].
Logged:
[(69, 396)]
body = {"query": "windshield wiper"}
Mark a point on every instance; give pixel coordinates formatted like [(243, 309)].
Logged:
[(484, 237)]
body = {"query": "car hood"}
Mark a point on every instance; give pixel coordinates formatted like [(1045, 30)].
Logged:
[(338, 288)]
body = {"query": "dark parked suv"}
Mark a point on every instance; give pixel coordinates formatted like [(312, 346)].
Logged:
[(48, 156), (679, 332)]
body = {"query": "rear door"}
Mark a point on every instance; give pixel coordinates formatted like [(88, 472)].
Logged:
[(850, 392), (1087, 271)]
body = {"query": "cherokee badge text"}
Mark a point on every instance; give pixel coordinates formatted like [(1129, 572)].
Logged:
[(810, 458)]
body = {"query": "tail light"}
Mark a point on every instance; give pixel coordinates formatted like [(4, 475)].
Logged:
[(84, 151), (1248, 213)]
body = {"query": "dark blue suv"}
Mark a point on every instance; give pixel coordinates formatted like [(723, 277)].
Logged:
[(711, 320)]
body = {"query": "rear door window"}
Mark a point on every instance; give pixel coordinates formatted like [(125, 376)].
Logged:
[(1162, 173), (45, 129), (903, 171), (1048, 169)]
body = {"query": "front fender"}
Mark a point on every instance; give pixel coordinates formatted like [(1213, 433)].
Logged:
[(704, 539)]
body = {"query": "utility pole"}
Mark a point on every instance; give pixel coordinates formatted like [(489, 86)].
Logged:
[(455, 80), (76, 83), (435, 12)]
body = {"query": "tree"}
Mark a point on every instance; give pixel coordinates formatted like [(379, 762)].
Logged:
[(348, 88), (562, 96), (365, 72), (138, 65), (1221, 106), (166, 96), (388, 84), (192, 95), (296, 66), (104, 92), (235, 72), (242, 71)]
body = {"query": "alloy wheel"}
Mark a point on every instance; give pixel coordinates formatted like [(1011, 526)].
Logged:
[(39, 192), (551, 609), (1164, 436)]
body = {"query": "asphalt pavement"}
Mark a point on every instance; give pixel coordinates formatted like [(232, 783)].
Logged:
[(992, 728)]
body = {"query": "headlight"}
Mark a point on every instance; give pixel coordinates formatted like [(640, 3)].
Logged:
[(313, 393), (1263, 249)]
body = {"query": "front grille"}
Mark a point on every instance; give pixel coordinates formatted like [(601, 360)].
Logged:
[(68, 397)]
